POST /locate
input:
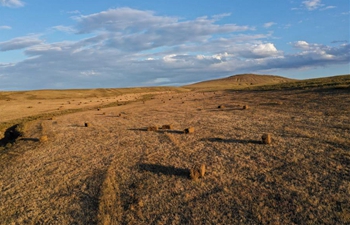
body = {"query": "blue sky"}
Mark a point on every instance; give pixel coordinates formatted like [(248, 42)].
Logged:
[(101, 44)]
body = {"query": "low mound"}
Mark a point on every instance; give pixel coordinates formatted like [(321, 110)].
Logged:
[(240, 81)]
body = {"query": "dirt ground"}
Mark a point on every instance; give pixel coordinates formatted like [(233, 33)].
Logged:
[(116, 172)]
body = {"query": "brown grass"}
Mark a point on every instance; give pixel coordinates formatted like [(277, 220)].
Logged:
[(117, 173)]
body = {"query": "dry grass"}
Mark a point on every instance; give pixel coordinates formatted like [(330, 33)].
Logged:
[(18, 107), (239, 82), (118, 173)]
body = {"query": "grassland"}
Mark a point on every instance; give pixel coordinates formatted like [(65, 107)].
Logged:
[(239, 82), (117, 172)]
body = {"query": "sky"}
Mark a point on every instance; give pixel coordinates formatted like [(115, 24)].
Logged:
[(73, 44)]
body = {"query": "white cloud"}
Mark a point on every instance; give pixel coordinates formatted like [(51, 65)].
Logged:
[(19, 43), (12, 3), (315, 4), (301, 45), (66, 29), (328, 7), (89, 73), (124, 50), (265, 50), (133, 30), (257, 50), (5, 28), (312, 4), (269, 24)]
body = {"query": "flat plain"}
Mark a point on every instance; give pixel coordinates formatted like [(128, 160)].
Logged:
[(114, 171)]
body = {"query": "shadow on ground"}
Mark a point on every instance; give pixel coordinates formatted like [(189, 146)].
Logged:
[(10, 136), (159, 131), (231, 140), (166, 170)]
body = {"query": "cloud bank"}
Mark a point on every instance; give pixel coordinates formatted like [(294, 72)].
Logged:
[(127, 47)]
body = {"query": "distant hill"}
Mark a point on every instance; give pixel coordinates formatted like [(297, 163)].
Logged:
[(332, 82), (240, 81)]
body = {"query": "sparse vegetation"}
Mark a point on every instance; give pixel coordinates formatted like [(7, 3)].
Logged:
[(118, 173)]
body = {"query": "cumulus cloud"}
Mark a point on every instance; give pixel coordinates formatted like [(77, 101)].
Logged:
[(312, 4), (260, 50), (311, 56), (117, 48), (19, 43), (12, 3)]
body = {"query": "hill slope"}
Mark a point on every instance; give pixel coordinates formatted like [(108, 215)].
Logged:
[(240, 81)]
